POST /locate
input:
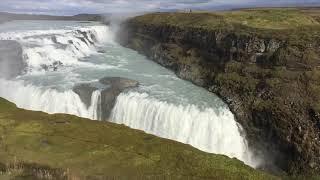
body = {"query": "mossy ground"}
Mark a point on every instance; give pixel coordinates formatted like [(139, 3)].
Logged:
[(31, 142)]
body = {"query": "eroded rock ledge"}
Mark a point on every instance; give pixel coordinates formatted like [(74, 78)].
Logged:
[(109, 87), (268, 75)]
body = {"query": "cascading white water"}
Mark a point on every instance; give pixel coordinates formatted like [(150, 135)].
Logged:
[(46, 47), (30, 97), (94, 110), (210, 130)]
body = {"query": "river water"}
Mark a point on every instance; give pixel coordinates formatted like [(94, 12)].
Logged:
[(61, 54)]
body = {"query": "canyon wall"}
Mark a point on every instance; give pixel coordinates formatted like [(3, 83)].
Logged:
[(269, 79)]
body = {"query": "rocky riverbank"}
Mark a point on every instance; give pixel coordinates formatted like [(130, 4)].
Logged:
[(263, 62), (35, 145)]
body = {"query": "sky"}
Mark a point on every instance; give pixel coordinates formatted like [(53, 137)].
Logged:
[(71, 7)]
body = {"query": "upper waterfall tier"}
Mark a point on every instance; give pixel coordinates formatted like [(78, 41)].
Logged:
[(49, 49)]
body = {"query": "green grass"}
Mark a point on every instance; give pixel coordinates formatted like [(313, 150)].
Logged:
[(271, 18), (281, 23), (204, 20), (284, 18), (84, 148)]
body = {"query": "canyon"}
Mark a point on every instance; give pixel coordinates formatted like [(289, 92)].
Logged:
[(203, 95)]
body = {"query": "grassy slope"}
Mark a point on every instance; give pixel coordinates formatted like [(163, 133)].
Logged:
[(281, 23), (84, 148), (271, 18)]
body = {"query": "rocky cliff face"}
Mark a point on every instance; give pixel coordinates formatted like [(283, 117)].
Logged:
[(270, 81)]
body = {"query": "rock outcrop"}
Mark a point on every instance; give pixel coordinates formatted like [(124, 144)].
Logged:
[(11, 60), (109, 95), (109, 87), (268, 75), (85, 92)]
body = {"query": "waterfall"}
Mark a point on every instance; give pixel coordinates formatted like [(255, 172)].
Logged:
[(35, 98), (210, 130)]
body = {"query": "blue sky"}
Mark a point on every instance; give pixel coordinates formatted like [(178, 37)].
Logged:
[(69, 7)]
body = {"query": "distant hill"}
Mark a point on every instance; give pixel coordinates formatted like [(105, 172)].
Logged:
[(80, 17)]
